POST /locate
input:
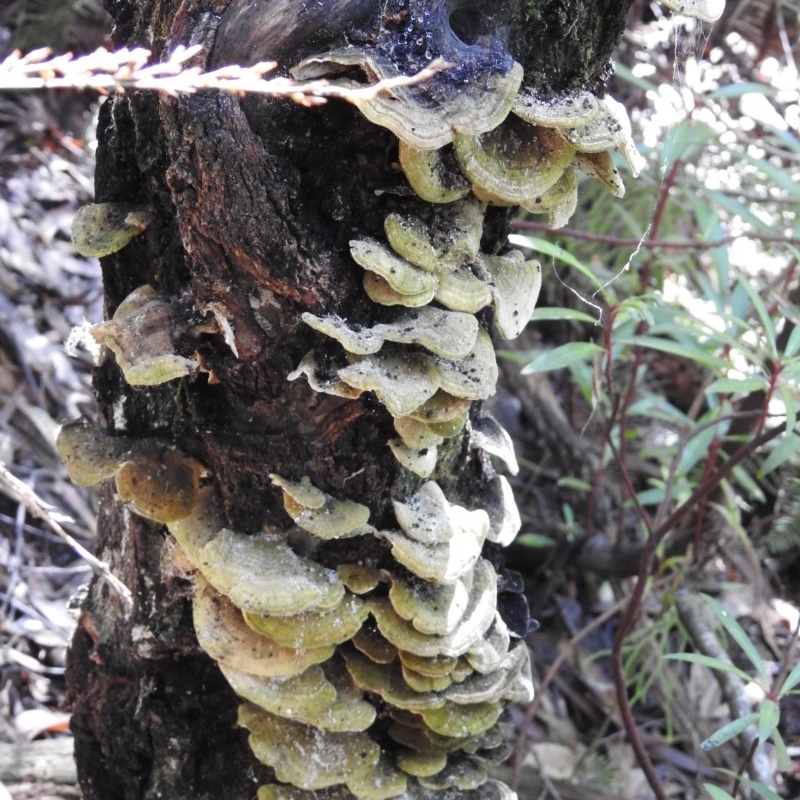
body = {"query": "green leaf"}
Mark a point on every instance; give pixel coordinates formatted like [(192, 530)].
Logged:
[(737, 633), (793, 344), (781, 753), (758, 787), (768, 716), (563, 356), (536, 540), (790, 404), (548, 313), (727, 732), (683, 349), (717, 793), (571, 482), (764, 316), (711, 663), (788, 447), (555, 251), (792, 679), (736, 385)]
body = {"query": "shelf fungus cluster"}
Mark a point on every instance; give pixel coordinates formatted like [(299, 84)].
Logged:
[(376, 681), (367, 683)]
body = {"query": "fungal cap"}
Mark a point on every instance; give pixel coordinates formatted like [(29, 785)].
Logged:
[(310, 629), (302, 491), (89, 453), (564, 110), (222, 633), (306, 756), (433, 667), (450, 334), (402, 381), (504, 518), (430, 177), (141, 338), (401, 275), (322, 380), (379, 291), (337, 519), (433, 609), (515, 285), (460, 773), (420, 763), (472, 625), (559, 201), (261, 574), (487, 434), (428, 517), (387, 682), (100, 229), (293, 697), (380, 783), (460, 290), (440, 563), (487, 654), (421, 462), (515, 162), (462, 721), (160, 483), (451, 239), (601, 166), (416, 435), (424, 118), (473, 377), (358, 578)]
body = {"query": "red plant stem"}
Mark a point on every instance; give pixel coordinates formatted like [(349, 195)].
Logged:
[(648, 557)]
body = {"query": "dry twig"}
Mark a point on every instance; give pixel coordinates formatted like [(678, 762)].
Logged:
[(53, 519)]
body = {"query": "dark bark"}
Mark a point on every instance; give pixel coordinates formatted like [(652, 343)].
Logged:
[(256, 224)]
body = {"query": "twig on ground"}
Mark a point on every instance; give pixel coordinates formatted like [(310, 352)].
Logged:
[(53, 519)]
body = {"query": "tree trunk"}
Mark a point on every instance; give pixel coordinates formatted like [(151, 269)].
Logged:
[(254, 205)]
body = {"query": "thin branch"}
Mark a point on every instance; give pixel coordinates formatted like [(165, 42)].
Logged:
[(123, 69), (53, 519)]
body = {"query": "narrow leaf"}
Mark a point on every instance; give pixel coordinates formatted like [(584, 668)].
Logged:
[(788, 446), (563, 356), (737, 633), (717, 793), (711, 663), (768, 716), (792, 679), (547, 313), (736, 385), (727, 732), (781, 753)]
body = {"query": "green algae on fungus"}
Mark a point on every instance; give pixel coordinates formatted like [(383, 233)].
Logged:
[(513, 163), (430, 176), (423, 121), (90, 454), (449, 239), (305, 756), (100, 229), (312, 629), (381, 782), (450, 334), (262, 574), (561, 110), (223, 634), (434, 609)]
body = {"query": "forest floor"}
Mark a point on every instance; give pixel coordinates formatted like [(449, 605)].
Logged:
[(572, 741)]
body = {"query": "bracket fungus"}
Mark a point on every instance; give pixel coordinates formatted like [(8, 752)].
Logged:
[(142, 335), (100, 229)]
